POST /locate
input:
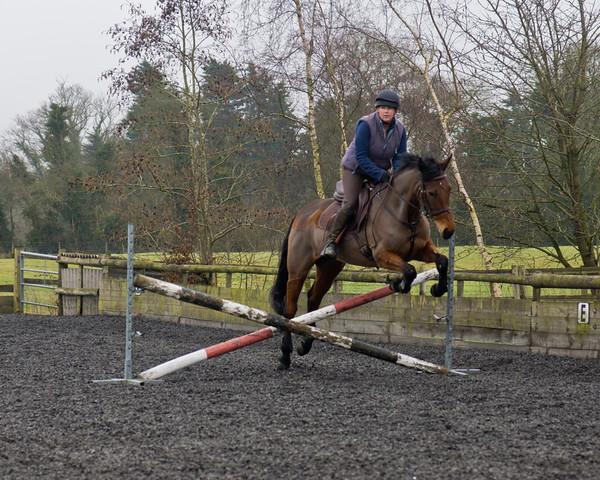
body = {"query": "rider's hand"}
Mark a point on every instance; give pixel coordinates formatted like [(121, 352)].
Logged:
[(385, 178)]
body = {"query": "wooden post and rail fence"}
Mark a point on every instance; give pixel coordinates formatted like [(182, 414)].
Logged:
[(529, 320)]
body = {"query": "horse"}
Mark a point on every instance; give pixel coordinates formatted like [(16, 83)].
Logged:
[(393, 231)]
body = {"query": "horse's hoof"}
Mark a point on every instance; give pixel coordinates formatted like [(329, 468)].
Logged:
[(404, 286), (283, 366), (437, 290), (284, 362), (303, 347), (408, 276)]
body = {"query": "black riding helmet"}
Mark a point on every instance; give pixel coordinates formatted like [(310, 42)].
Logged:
[(387, 98)]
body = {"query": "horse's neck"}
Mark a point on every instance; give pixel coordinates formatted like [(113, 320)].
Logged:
[(407, 198), (401, 200)]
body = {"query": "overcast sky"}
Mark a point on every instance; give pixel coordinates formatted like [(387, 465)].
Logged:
[(45, 41)]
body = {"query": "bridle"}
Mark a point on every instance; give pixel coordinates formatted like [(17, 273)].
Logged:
[(428, 212), (426, 206)]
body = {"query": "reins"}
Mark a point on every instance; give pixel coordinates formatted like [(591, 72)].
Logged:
[(426, 210), (423, 209)]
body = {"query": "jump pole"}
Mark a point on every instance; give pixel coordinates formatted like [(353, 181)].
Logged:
[(236, 343), (203, 299)]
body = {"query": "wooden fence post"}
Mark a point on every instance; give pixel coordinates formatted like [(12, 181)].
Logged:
[(518, 290), (460, 288)]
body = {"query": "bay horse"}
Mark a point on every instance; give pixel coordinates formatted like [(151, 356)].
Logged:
[(394, 231)]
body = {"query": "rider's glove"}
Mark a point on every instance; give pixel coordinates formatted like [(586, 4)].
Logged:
[(385, 178)]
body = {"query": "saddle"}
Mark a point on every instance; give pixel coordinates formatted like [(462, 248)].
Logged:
[(366, 195)]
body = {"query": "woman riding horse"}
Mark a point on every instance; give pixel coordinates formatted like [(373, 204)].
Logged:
[(394, 232), (379, 141)]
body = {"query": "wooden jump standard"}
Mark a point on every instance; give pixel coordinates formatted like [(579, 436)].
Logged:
[(203, 299)]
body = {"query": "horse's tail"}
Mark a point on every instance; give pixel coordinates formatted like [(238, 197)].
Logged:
[(279, 288)]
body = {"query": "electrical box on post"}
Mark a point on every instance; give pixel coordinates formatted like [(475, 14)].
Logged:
[(583, 312)]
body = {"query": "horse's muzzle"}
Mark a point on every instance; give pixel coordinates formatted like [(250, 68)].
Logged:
[(447, 233), (445, 224)]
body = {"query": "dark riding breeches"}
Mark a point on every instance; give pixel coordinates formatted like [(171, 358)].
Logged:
[(352, 185)]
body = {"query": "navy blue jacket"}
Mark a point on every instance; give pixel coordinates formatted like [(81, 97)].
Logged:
[(374, 151)]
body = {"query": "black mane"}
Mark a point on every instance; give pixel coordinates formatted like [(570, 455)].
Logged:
[(409, 161), (429, 166)]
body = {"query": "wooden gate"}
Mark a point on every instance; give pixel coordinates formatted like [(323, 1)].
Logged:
[(79, 289)]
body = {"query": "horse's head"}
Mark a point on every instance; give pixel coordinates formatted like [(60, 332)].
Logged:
[(435, 191)]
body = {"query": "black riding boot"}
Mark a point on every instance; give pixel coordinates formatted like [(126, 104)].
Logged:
[(342, 219)]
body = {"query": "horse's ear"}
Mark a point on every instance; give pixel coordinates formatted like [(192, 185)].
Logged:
[(445, 163)]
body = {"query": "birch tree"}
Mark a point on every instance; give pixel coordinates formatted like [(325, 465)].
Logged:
[(287, 31)]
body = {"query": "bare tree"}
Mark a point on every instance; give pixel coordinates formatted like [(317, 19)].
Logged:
[(539, 62), (179, 40), (288, 31), (416, 36)]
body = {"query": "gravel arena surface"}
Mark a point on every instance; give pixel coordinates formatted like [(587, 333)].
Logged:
[(334, 415)]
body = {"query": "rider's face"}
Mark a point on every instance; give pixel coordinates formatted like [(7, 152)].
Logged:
[(386, 113)]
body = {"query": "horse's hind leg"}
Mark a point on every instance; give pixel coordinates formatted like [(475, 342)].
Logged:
[(286, 350), (327, 270), (294, 287)]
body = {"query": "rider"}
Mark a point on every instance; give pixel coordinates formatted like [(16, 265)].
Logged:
[(378, 142)]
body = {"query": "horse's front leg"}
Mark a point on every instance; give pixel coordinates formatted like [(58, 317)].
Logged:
[(441, 263), (393, 261), (431, 254)]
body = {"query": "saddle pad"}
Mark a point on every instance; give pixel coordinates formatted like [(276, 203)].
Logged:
[(326, 218)]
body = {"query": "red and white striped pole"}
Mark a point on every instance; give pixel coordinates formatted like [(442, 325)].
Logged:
[(209, 352), (184, 361)]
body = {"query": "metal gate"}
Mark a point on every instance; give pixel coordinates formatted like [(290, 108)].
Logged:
[(37, 283), (48, 286)]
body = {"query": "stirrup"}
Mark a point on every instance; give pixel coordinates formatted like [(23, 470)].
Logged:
[(330, 250)]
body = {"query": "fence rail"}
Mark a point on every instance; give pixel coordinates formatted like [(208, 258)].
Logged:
[(584, 279), (582, 282)]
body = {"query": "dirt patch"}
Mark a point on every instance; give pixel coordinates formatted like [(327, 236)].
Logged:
[(334, 415)]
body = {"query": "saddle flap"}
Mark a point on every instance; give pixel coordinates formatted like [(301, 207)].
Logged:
[(326, 218)]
